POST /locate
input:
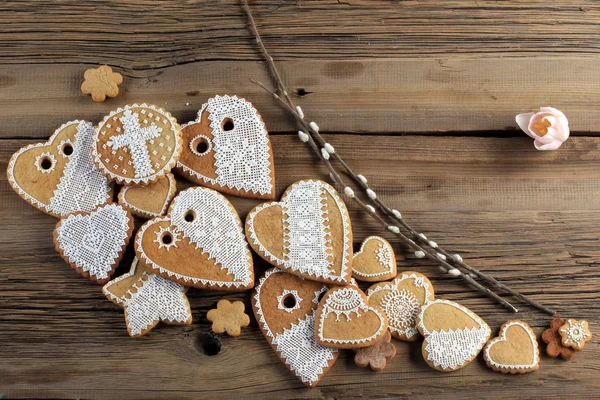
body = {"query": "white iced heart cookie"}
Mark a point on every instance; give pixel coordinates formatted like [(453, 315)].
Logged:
[(514, 351), (58, 177), (93, 243), (199, 243), (285, 307), (375, 261), (454, 335), (401, 300), (227, 148), (345, 319), (307, 233), (148, 299)]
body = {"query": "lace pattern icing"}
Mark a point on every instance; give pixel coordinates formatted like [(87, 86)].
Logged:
[(41, 158), (502, 337), (93, 241), (297, 345), (283, 295)]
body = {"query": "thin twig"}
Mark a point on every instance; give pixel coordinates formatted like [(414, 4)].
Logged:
[(431, 250)]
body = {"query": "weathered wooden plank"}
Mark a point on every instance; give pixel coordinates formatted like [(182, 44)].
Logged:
[(150, 34), (366, 96), (59, 336)]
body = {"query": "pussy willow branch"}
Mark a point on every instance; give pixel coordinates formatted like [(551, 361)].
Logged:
[(417, 241)]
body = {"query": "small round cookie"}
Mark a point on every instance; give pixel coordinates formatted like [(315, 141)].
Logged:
[(515, 349), (136, 144)]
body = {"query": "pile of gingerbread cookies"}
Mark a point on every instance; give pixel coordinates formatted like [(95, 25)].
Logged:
[(308, 305)]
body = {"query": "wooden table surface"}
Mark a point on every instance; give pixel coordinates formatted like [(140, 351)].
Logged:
[(419, 96)]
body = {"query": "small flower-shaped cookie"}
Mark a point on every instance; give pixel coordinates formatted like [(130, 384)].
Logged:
[(575, 334), (101, 82), (554, 341), (228, 317), (376, 356)]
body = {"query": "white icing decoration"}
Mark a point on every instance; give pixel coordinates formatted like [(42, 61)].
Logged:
[(62, 145), (174, 238), (45, 156), (285, 294), (307, 241), (318, 293), (401, 307), (347, 301), (576, 333), (502, 338), (297, 345), (453, 349), (215, 230), (206, 140), (242, 158), (383, 255), (93, 241)]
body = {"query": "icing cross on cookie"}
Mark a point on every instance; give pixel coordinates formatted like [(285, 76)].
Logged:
[(134, 139)]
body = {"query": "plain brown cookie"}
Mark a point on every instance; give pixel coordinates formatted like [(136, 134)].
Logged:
[(515, 349), (376, 356), (553, 340), (149, 201), (228, 317), (101, 83)]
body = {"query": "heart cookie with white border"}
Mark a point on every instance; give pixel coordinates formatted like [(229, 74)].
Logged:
[(401, 301), (454, 335), (149, 201), (136, 144), (148, 299), (375, 261), (199, 243), (514, 351), (285, 307), (58, 177), (227, 148), (307, 233), (345, 320), (93, 243)]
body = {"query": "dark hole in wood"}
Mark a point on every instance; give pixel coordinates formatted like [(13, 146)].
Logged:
[(46, 163), (302, 92), (227, 124), (289, 301), (209, 344)]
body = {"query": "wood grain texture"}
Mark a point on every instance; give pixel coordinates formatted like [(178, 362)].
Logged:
[(528, 218)]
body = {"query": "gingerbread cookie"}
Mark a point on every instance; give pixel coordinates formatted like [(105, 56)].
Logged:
[(93, 243), (575, 334), (227, 148), (514, 351), (136, 144), (553, 339), (58, 177), (376, 356), (149, 201), (199, 243), (101, 83), (148, 299), (375, 261), (228, 317), (307, 233), (285, 307), (401, 301), (345, 320), (454, 335)]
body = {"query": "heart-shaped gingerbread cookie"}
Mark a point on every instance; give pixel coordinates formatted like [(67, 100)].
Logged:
[(93, 243), (307, 233), (345, 319), (401, 301), (375, 261), (514, 351), (227, 148), (454, 335), (149, 201), (199, 243), (58, 177), (285, 307)]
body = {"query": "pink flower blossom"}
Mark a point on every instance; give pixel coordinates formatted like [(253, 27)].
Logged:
[(549, 127)]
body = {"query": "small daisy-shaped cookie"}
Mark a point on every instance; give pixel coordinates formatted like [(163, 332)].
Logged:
[(228, 317), (575, 334), (376, 356), (101, 83)]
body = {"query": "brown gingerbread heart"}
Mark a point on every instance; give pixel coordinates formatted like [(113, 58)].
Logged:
[(401, 301), (514, 351), (307, 232), (345, 320), (149, 201), (227, 148), (199, 243), (285, 307), (58, 177), (375, 261)]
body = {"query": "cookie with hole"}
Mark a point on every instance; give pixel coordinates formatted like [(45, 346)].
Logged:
[(199, 243), (58, 176), (227, 148), (285, 307)]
